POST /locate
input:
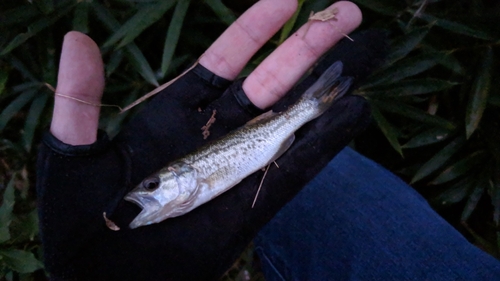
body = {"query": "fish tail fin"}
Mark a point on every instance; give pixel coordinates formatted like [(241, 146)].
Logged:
[(329, 87), (338, 90)]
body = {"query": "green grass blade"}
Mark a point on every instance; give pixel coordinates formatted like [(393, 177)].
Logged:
[(173, 33), (471, 204), (114, 61), (431, 136), (456, 27), (448, 60), (460, 168), (144, 18), (411, 87), (35, 28), (19, 15), (384, 7), (223, 12), (479, 95), (404, 45), (4, 76), (140, 63), (387, 129), (400, 70), (494, 190), (6, 210), (288, 27), (455, 193), (132, 52), (15, 106), (33, 119), (439, 159), (105, 16), (25, 72), (414, 113), (81, 17), (46, 6)]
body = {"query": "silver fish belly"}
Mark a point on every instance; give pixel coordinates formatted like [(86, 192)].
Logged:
[(216, 167)]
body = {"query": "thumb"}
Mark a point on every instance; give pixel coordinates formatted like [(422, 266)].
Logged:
[(80, 78)]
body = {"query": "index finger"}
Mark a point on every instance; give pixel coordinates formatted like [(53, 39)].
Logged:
[(227, 56)]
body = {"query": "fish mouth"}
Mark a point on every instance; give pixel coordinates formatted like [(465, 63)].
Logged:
[(149, 207)]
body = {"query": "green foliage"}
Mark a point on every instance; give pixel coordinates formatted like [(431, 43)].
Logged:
[(435, 94), (433, 99), (18, 228)]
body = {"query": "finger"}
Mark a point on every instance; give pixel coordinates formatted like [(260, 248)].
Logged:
[(228, 55), (283, 68), (81, 76)]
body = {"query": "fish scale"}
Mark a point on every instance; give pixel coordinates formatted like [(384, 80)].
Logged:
[(216, 167)]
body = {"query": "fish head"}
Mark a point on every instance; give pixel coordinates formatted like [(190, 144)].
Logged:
[(164, 194)]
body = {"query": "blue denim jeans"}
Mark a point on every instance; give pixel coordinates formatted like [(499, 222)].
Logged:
[(358, 221)]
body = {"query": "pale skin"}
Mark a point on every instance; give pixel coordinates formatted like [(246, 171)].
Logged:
[(81, 73)]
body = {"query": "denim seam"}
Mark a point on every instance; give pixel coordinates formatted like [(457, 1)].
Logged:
[(275, 269)]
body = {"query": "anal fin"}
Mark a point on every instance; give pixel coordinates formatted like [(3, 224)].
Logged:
[(283, 148)]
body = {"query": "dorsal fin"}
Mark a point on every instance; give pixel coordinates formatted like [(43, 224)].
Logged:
[(262, 117)]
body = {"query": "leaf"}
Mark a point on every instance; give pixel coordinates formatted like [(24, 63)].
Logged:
[(25, 72), (19, 15), (404, 45), (412, 87), (456, 27), (15, 106), (287, 28), (20, 261), (472, 202), (439, 159), (431, 136), (81, 17), (494, 100), (460, 168), (173, 34), (387, 8), (494, 190), (144, 18), (140, 63), (4, 75), (224, 14), (46, 6), (24, 227), (455, 193), (448, 60), (26, 86), (479, 95), (387, 129), (114, 61), (6, 210), (33, 119), (132, 52), (413, 113), (400, 70), (36, 27)]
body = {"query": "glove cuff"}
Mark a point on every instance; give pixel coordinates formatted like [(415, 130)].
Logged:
[(210, 77), (243, 100), (99, 146)]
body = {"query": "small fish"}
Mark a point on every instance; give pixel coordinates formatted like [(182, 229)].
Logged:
[(216, 167)]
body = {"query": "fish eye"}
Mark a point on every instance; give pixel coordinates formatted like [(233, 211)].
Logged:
[(151, 184)]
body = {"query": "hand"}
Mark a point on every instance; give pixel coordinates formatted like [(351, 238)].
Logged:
[(82, 174)]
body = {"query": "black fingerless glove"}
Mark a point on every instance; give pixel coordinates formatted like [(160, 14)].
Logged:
[(76, 184)]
